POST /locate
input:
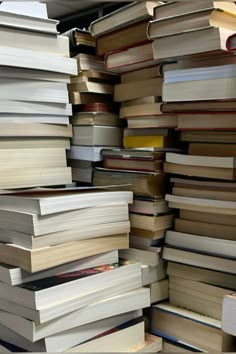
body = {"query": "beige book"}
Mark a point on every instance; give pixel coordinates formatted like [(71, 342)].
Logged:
[(212, 218), (228, 317), (152, 275), (34, 260), (151, 223), (97, 136), (88, 97), (35, 130), (138, 89), (159, 291), (91, 87), (205, 193), (140, 101), (122, 340), (150, 258), (141, 110), (208, 136), (92, 118), (141, 74), (207, 42), (34, 143), (206, 121)]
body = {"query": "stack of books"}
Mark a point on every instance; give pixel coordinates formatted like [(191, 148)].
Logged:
[(60, 280), (34, 103), (201, 249), (95, 121), (150, 133)]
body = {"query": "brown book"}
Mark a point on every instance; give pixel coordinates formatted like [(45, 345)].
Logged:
[(141, 183), (88, 97), (142, 74), (220, 150), (126, 37), (151, 223), (203, 216), (228, 137), (207, 121), (199, 106), (138, 164)]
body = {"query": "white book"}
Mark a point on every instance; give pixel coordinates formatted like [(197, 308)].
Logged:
[(30, 118), (87, 153), (229, 315), (36, 41), (31, 23), (70, 338), (127, 302), (29, 59), (53, 201), (35, 8), (32, 90), (18, 107), (31, 74), (16, 276)]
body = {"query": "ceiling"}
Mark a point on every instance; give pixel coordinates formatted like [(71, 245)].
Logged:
[(62, 8)]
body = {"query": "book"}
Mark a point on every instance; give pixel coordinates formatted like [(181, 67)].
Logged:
[(149, 258), (209, 217), (82, 170), (130, 59), (202, 244), (97, 136), (25, 39), (95, 118), (91, 87), (175, 322), (88, 62), (33, 260), (149, 109), (141, 74), (146, 184), (95, 77), (87, 153), (201, 204), (152, 223), (30, 118), (150, 235), (225, 137), (34, 9), (143, 139), (123, 339), (202, 90), (146, 153), (81, 41), (209, 121), (34, 177), (71, 337), (207, 276), (229, 308), (219, 150), (37, 308), (149, 207), (125, 37), (9, 130), (57, 238), (79, 98), (34, 143), (57, 201), (134, 90), (122, 17), (192, 44), (191, 21), (141, 101), (153, 344), (35, 24), (143, 243), (123, 303), (35, 108), (132, 164), (170, 346), (199, 260), (15, 276), (174, 8), (38, 225), (151, 275), (153, 121), (29, 59), (198, 297), (199, 106), (32, 90), (159, 291)]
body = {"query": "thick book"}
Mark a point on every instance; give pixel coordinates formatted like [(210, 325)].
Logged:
[(149, 207), (122, 17), (228, 316), (219, 150), (147, 184), (152, 223), (181, 324), (87, 153), (91, 87), (135, 90), (142, 74), (138, 164), (16, 276), (175, 8), (71, 337), (207, 121), (192, 21), (95, 119), (149, 258), (129, 36), (192, 44), (199, 107), (34, 260), (88, 62), (33, 118), (83, 98), (225, 137), (130, 59), (153, 121), (146, 137), (196, 274), (35, 108), (126, 302), (97, 136), (9, 130)]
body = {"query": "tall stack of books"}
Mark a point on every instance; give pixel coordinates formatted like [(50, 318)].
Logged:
[(34, 102), (139, 166), (201, 249), (95, 122), (61, 284)]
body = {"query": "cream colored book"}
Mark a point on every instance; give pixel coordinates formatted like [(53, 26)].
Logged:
[(21, 73), (127, 302), (153, 274), (97, 136), (34, 143), (229, 312), (92, 87), (122, 340), (34, 108), (34, 260), (149, 258), (152, 223), (159, 291), (33, 118), (35, 130)]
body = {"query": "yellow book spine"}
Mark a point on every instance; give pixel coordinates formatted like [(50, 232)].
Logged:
[(131, 142)]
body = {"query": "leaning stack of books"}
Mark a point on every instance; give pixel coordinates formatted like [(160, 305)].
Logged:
[(60, 280), (95, 121), (139, 166), (34, 103), (201, 249)]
